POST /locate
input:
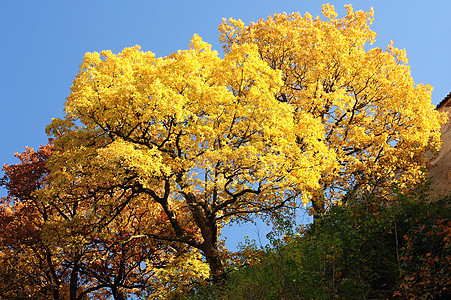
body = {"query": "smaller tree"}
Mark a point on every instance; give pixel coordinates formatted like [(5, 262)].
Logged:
[(49, 251), (27, 266)]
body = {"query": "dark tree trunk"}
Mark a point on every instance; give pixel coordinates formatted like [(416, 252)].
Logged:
[(118, 295), (211, 251), (73, 286), (215, 263), (56, 293), (318, 205)]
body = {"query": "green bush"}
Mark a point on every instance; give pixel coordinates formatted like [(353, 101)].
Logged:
[(366, 249)]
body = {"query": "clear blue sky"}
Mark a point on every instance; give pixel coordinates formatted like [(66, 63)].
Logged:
[(43, 43)]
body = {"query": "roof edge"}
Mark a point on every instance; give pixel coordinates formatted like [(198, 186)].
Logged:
[(444, 102)]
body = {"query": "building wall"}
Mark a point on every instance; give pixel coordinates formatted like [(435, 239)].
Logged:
[(440, 169)]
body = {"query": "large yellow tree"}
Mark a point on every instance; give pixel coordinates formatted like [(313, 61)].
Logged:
[(377, 121), (200, 139), (298, 110)]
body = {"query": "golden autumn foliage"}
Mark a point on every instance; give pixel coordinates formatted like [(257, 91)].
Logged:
[(155, 155), (26, 267), (200, 138), (376, 120), (53, 251)]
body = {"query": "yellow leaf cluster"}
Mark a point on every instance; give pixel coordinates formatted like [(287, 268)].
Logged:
[(176, 277), (178, 145), (377, 121), (196, 113)]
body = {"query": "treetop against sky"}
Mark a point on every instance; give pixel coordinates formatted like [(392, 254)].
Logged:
[(47, 41)]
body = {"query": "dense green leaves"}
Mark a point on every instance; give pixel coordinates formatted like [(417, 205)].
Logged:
[(368, 249)]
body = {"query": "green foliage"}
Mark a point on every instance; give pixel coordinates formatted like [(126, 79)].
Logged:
[(425, 256), (367, 249)]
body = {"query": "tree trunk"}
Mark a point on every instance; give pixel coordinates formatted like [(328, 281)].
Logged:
[(118, 295), (215, 263), (206, 222), (73, 286), (318, 205)]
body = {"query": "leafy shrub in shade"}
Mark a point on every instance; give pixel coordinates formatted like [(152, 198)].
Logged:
[(367, 249)]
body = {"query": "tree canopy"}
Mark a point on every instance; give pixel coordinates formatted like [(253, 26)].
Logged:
[(200, 137)]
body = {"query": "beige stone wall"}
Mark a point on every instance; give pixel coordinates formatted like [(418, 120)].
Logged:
[(440, 170)]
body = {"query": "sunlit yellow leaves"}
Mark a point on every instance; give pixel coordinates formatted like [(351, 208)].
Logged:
[(369, 106), (329, 11), (147, 163), (197, 139), (223, 113), (176, 277)]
